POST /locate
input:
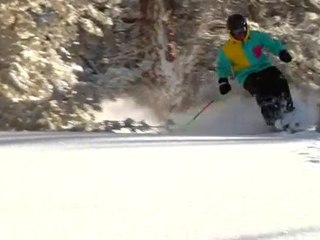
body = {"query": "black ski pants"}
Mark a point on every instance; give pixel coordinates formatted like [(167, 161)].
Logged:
[(267, 86)]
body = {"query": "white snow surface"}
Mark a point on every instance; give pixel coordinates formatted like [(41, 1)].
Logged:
[(225, 177)]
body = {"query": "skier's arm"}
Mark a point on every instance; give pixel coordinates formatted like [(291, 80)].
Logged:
[(270, 43), (223, 72), (223, 65)]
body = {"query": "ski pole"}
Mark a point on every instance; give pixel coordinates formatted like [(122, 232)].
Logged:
[(198, 114)]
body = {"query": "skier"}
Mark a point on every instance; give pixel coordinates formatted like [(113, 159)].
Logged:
[(243, 56)]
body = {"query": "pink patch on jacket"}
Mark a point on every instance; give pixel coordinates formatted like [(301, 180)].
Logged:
[(257, 51)]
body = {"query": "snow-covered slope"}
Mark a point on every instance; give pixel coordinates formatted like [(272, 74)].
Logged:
[(95, 185), (196, 183)]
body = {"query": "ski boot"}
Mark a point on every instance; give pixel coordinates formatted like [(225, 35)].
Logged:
[(270, 109)]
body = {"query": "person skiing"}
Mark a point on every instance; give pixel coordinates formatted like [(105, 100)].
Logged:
[(244, 57)]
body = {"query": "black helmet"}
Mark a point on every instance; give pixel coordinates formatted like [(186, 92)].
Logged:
[(237, 22)]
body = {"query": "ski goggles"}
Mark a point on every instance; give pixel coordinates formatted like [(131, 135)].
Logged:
[(239, 31)]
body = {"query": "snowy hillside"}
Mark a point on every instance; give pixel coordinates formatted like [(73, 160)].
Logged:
[(75, 73), (59, 60), (96, 185)]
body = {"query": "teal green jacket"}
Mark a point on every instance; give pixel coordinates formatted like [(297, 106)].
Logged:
[(241, 59)]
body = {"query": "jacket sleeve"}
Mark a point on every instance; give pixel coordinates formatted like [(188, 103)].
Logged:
[(270, 43), (223, 65)]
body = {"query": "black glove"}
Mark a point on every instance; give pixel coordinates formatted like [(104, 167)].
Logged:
[(224, 86), (285, 56)]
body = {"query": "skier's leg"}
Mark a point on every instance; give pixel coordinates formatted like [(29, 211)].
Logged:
[(270, 109), (277, 86), (251, 84), (284, 86), (258, 88)]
